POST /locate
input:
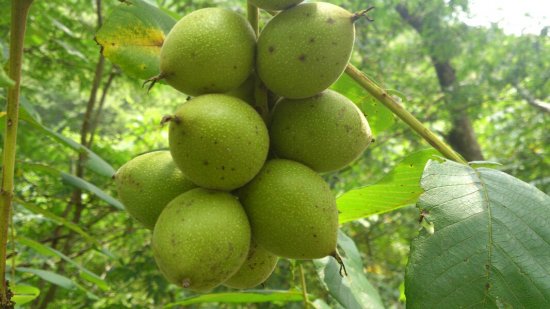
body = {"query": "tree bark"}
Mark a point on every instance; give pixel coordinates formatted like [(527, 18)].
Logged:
[(462, 136)]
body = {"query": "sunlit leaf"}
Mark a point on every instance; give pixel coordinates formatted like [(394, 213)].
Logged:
[(245, 297), (379, 117), (24, 294), (399, 188), (491, 242), (353, 291), (132, 37)]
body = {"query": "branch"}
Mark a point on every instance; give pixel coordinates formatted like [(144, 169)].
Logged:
[(383, 97), (413, 20), (19, 14), (97, 116), (525, 95)]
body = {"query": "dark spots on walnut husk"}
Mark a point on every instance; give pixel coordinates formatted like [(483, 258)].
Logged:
[(311, 40), (205, 162), (302, 58), (330, 21), (271, 49)]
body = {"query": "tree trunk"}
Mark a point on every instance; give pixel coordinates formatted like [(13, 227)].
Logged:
[(461, 136)]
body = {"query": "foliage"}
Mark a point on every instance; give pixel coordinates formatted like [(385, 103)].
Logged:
[(489, 246), (97, 257)]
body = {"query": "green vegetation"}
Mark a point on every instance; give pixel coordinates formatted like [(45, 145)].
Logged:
[(415, 228)]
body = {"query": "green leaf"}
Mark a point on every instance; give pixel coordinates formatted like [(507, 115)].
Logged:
[(5, 80), (51, 277), (353, 291), (132, 37), (379, 117), (245, 297), (59, 220), (84, 185), (93, 161), (491, 242), (399, 188), (48, 251), (76, 182), (24, 294), (320, 304)]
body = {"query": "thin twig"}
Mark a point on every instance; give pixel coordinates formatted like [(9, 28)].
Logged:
[(392, 104)]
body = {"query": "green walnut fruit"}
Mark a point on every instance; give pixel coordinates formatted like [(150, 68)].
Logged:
[(147, 183), (208, 51), (218, 141), (291, 210), (245, 91), (304, 49), (275, 5), (258, 266), (325, 132), (201, 239)]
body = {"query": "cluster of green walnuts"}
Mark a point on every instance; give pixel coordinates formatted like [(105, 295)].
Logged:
[(237, 191)]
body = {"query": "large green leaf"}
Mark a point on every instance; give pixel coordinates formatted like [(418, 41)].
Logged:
[(24, 294), (399, 188), (93, 161), (379, 117), (132, 37), (76, 182), (491, 242), (353, 291), (48, 251), (245, 297)]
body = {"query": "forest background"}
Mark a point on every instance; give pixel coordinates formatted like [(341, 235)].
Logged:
[(484, 90)]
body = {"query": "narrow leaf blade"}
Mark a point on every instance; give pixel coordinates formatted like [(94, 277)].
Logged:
[(48, 251), (59, 220), (51, 277), (245, 297), (93, 161)]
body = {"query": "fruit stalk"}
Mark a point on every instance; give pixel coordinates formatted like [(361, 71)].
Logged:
[(253, 14), (304, 287), (383, 97), (19, 13)]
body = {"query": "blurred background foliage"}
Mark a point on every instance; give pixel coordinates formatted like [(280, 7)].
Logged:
[(481, 89)]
